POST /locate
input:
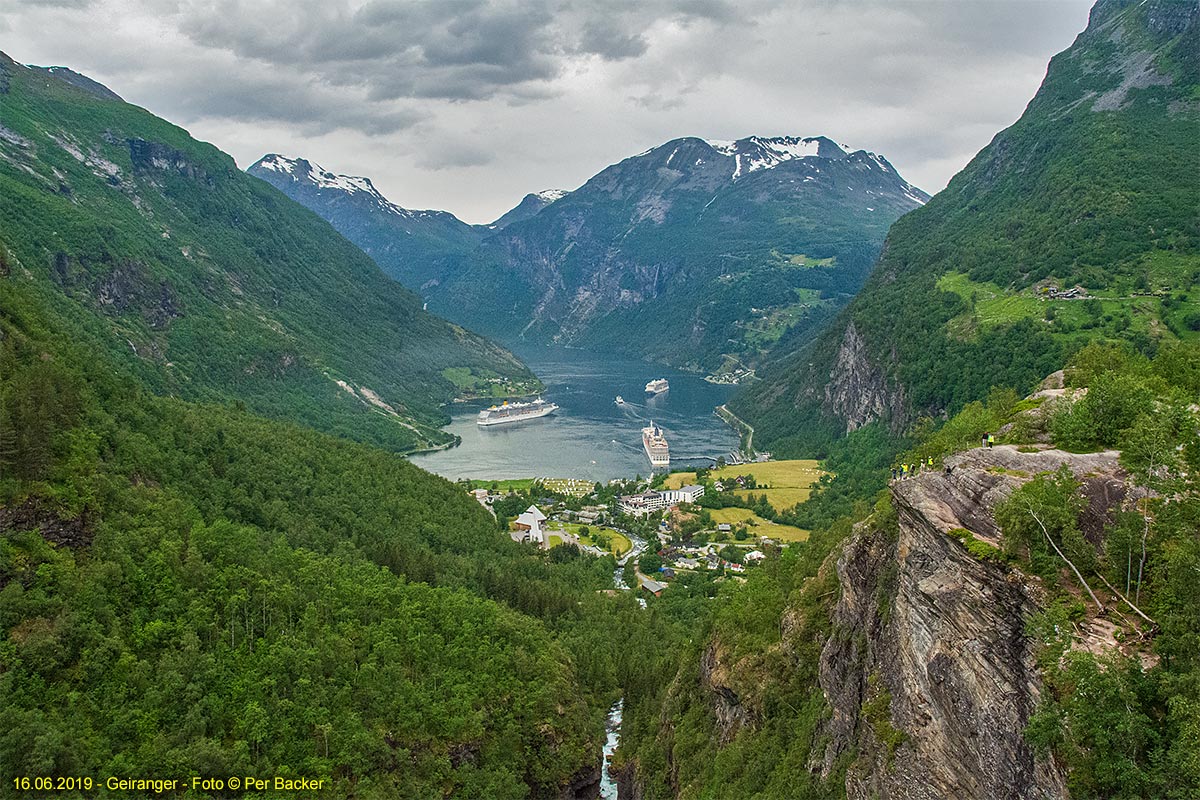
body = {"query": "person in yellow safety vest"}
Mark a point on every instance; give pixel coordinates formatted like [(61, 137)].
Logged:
[(991, 440), (929, 463)]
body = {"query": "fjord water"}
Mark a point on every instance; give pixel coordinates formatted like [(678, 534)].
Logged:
[(589, 437)]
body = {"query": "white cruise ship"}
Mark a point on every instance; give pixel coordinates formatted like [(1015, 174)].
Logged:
[(655, 445), (657, 386), (515, 412)]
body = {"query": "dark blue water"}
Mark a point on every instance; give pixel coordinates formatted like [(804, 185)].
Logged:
[(590, 436)]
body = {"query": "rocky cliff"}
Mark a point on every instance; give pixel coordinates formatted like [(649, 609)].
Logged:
[(929, 671), (961, 298), (859, 390)]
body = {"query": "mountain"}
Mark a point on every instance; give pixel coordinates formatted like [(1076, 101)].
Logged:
[(186, 582), (1081, 221), (403, 242), (209, 284), (530, 205), (713, 252), (977, 633)]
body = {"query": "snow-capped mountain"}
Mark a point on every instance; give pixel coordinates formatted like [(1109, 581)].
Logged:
[(753, 153), (696, 253), (406, 243), (275, 169), (530, 204)]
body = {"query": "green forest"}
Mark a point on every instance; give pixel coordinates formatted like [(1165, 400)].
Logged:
[(193, 587), (206, 283), (1104, 200), (1122, 726)]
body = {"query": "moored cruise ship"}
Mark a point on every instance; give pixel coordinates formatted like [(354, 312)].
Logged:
[(657, 386), (655, 445), (515, 412)]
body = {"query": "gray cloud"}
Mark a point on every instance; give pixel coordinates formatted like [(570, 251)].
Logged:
[(605, 39), (468, 104)]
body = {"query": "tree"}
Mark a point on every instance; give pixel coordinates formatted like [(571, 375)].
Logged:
[(731, 553), (1045, 511), (650, 563)]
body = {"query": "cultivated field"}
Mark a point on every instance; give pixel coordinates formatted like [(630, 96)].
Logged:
[(757, 526), (787, 482)]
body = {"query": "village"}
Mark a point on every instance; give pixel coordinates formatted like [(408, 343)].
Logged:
[(714, 522)]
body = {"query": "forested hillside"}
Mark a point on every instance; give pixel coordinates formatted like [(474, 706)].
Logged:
[(1094, 190), (1018, 621), (208, 284), (189, 588)]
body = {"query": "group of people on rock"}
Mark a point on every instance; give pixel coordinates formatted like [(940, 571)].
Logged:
[(907, 470), (902, 471)]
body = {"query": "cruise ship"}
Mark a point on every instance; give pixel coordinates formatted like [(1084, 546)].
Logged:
[(656, 446), (657, 386), (515, 412)]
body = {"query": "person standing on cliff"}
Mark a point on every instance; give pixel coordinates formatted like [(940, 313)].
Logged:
[(984, 441), (990, 440)]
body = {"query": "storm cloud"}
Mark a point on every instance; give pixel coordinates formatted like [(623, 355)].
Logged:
[(469, 104)]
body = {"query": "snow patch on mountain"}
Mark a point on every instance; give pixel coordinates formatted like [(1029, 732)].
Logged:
[(301, 170), (758, 152), (550, 195)]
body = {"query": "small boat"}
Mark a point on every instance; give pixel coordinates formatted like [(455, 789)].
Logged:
[(620, 400)]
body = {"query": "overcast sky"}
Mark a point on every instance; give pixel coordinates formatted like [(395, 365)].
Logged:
[(466, 105)]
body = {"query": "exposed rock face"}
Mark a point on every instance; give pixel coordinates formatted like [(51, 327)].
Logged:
[(732, 715), (74, 532), (944, 635), (858, 391), (584, 785), (154, 157), (628, 786)]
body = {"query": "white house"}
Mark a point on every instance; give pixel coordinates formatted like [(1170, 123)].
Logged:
[(754, 555), (529, 527), (646, 502), (639, 504), (684, 494)]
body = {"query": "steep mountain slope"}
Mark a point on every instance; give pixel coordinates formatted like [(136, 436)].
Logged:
[(529, 206), (1017, 622), (408, 245), (1094, 187), (709, 252), (712, 253), (206, 282), (192, 588)]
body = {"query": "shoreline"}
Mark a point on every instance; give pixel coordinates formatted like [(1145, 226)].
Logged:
[(744, 429)]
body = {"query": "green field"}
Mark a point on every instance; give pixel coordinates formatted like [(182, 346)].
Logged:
[(771, 323), (571, 486), (619, 544), (511, 485), (757, 526), (1120, 308), (785, 483)]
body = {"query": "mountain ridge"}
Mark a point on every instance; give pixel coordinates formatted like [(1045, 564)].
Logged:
[(674, 226), (972, 290), (209, 284)]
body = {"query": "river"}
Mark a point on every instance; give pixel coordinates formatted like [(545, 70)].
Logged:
[(589, 437)]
